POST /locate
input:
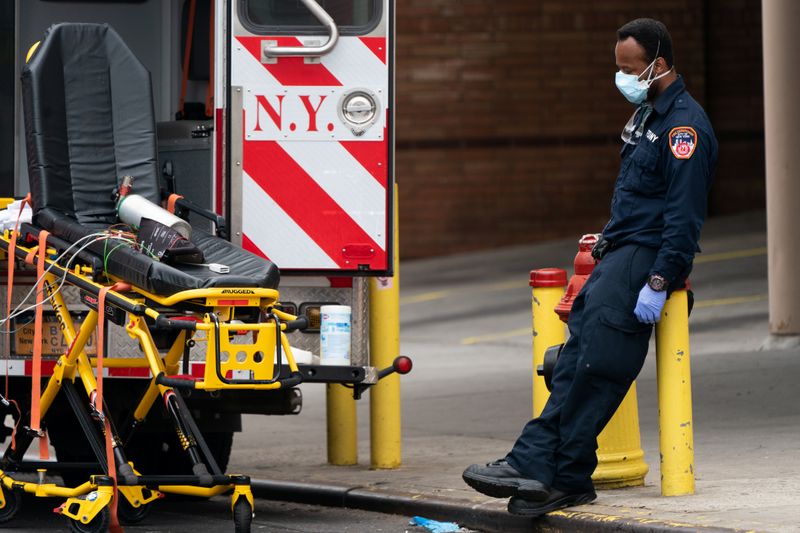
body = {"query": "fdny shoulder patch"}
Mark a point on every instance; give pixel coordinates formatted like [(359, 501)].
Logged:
[(682, 141)]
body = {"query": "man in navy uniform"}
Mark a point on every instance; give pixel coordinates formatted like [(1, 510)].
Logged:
[(669, 157)]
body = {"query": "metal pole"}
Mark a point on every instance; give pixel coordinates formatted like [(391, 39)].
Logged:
[(342, 425), (384, 341), (675, 397), (781, 115), (548, 329), (342, 419)]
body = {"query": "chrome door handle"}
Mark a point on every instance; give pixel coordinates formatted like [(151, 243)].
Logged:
[(321, 15)]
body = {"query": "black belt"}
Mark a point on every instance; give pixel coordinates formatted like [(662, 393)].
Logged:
[(601, 249), (605, 246)]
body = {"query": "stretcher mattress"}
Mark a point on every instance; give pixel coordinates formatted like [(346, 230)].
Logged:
[(246, 269)]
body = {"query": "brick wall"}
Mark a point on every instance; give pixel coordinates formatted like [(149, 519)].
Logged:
[(508, 119), (736, 104)]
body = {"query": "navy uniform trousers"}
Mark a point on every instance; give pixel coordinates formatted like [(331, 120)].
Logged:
[(605, 352)]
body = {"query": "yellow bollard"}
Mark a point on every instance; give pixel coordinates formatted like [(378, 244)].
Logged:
[(620, 458), (675, 397), (341, 423), (384, 343), (548, 330)]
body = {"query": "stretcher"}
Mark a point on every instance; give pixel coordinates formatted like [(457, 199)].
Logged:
[(91, 140)]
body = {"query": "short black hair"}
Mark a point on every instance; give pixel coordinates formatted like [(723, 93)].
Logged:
[(652, 35)]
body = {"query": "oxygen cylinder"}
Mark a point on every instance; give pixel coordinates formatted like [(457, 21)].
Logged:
[(131, 208)]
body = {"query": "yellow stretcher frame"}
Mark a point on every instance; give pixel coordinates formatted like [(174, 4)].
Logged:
[(220, 307)]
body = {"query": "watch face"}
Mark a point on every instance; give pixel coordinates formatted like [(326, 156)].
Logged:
[(657, 283)]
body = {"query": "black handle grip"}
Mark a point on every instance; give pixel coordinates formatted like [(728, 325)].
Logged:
[(294, 379), (299, 323), (178, 383), (218, 220), (163, 322)]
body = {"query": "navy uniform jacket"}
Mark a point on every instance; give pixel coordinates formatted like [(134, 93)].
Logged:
[(661, 192)]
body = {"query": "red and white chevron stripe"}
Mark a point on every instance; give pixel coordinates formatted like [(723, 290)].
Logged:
[(315, 193)]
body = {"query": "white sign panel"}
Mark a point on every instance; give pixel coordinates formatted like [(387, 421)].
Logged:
[(307, 114)]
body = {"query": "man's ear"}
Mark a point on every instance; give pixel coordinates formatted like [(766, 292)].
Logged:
[(660, 66)]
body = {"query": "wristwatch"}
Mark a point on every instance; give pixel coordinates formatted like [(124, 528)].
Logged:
[(657, 282)]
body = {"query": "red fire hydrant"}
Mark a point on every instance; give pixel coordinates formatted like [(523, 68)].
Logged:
[(584, 265)]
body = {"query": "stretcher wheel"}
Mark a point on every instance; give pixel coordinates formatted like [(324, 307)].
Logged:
[(98, 524), (13, 503), (130, 515), (242, 516)]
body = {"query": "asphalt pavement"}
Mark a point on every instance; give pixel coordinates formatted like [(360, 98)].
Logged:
[(214, 516), (465, 320)]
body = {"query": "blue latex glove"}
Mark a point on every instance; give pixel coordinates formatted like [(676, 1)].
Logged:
[(434, 526), (649, 305)]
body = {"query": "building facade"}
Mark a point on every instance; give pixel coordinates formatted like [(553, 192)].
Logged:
[(508, 120)]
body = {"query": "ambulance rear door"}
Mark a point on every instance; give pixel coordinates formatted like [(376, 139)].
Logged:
[(309, 133)]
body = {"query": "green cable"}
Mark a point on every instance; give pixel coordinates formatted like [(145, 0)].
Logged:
[(107, 255), (147, 251)]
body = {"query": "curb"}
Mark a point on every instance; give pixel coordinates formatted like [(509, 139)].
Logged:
[(489, 517)]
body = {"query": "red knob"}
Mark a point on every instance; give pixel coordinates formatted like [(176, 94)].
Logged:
[(402, 365)]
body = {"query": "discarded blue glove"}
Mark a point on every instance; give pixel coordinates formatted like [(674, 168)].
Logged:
[(649, 305), (434, 526)]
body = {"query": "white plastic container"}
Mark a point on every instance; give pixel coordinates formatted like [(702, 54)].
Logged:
[(334, 335)]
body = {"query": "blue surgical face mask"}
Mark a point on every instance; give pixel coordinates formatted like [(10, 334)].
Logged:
[(635, 89)]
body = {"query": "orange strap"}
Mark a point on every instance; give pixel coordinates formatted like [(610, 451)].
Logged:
[(98, 402), (44, 448), (36, 379), (210, 86), (12, 248), (30, 256), (171, 202), (187, 49)]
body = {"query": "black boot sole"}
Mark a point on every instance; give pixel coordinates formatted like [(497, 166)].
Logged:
[(521, 507), (491, 487)]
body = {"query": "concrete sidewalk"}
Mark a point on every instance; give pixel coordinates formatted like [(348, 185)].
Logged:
[(466, 323)]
